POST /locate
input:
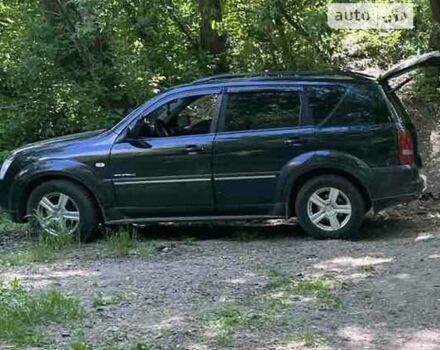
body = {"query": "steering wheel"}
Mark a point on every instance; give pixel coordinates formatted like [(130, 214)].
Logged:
[(163, 128)]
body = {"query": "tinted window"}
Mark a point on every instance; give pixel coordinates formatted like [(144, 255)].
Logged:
[(323, 100), (356, 105), (262, 110), (184, 116)]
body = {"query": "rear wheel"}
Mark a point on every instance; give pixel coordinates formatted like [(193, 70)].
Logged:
[(62, 207), (330, 206)]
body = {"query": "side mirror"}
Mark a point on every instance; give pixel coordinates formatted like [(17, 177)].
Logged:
[(139, 143)]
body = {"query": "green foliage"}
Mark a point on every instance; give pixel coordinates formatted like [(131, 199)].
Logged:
[(318, 287), (224, 322), (100, 300), (6, 225), (120, 243), (23, 315), (231, 318), (69, 66), (123, 244), (135, 346), (309, 339), (44, 248)]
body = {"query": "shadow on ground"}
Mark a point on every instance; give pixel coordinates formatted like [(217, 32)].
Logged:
[(240, 231), (374, 228)]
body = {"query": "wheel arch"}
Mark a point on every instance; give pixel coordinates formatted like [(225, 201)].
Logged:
[(23, 198), (308, 175)]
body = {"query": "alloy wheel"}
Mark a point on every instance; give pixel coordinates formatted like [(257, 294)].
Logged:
[(57, 213), (329, 209)]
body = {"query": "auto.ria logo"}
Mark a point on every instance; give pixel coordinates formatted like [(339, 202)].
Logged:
[(370, 16)]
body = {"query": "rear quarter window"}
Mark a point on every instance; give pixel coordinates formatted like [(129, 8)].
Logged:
[(347, 106)]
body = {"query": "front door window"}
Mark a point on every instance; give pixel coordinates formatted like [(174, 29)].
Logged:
[(191, 115)]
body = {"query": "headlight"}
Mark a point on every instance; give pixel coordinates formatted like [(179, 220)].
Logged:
[(5, 166)]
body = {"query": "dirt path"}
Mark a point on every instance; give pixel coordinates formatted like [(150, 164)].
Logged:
[(387, 285)]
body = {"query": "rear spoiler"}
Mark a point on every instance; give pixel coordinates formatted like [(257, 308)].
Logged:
[(430, 59)]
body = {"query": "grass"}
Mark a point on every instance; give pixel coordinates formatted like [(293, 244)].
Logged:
[(256, 313), (122, 243), (224, 339), (222, 323), (231, 318), (320, 288), (317, 287), (23, 315), (100, 300), (136, 346), (309, 339), (6, 225), (279, 280), (48, 248), (45, 248)]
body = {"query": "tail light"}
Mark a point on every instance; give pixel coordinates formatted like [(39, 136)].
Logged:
[(406, 147)]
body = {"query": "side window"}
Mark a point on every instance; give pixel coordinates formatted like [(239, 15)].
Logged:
[(357, 105), (191, 115), (262, 110), (323, 100)]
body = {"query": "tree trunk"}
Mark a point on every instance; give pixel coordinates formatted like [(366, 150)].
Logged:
[(434, 40), (210, 38)]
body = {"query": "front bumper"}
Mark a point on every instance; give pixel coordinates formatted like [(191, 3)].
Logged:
[(4, 200), (395, 185), (3, 196)]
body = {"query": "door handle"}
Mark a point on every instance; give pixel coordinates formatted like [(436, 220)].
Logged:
[(295, 141), (194, 149)]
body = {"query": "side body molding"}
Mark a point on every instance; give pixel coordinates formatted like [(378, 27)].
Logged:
[(321, 160)]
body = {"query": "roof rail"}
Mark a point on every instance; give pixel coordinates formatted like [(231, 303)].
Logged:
[(227, 76), (250, 75), (286, 74)]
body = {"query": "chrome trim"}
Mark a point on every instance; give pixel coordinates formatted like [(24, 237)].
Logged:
[(255, 177), (181, 180), (141, 182), (125, 175)]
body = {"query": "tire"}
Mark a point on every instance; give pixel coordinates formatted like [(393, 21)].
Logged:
[(80, 207), (329, 201)]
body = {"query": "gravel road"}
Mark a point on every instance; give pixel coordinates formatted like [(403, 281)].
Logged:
[(387, 286)]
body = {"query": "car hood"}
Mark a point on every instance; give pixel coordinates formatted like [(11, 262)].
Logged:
[(58, 141), (430, 59)]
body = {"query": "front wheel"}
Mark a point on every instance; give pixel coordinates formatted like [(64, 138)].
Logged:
[(61, 207), (330, 206)]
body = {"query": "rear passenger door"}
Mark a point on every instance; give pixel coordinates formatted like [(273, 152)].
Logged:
[(260, 130), (355, 119)]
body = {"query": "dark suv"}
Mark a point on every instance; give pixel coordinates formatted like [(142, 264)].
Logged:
[(322, 147)]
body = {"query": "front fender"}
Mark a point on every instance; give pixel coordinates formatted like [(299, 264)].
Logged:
[(37, 172), (309, 163)]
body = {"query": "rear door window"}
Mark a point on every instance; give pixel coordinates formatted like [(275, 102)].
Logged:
[(347, 106), (262, 110)]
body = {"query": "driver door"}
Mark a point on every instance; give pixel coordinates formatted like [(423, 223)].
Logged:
[(166, 170)]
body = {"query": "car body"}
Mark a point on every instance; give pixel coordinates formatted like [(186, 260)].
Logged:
[(158, 164)]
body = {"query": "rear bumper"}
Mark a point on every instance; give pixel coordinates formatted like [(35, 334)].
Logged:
[(395, 185)]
